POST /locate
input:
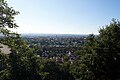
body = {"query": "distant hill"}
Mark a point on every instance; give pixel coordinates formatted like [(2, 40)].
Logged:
[(52, 35)]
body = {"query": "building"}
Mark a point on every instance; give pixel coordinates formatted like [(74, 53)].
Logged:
[(5, 49)]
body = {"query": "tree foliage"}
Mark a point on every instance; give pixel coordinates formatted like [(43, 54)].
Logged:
[(82, 69), (108, 53), (21, 63), (100, 56), (7, 15)]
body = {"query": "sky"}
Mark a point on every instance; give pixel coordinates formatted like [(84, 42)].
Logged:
[(64, 16)]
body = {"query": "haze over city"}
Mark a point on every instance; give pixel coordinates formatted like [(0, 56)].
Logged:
[(64, 16)]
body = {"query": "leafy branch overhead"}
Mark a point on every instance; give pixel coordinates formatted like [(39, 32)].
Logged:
[(7, 15)]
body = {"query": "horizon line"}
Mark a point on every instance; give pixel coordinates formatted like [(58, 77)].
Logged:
[(63, 33)]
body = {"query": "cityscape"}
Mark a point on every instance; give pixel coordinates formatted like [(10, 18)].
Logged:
[(59, 40)]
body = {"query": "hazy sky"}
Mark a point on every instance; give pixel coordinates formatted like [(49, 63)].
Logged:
[(64, 16)]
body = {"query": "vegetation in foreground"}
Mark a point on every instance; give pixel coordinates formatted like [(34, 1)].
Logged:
[(99, 58)]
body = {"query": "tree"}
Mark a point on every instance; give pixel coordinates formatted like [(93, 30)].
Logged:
[(7, 15), (108, 52), (82, 68), (4, 72), (55, 71), (22, 63), (6, 21), (100, 57), (26, 65)]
